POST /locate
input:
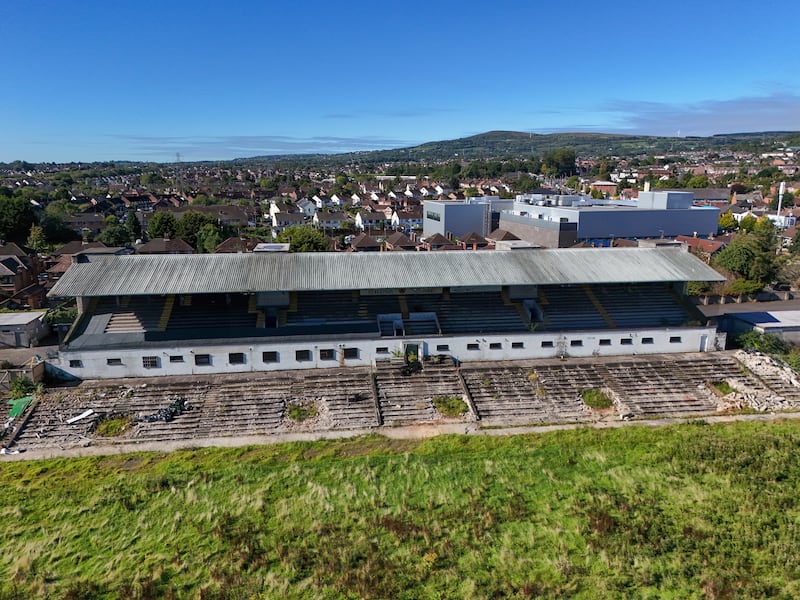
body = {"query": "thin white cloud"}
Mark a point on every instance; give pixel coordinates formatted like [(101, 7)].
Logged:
[(774, 112), (227, 147)]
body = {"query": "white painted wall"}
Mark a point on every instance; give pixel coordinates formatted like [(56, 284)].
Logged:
[(93, 364)]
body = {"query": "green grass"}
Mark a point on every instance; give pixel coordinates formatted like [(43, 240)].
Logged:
[(723, 387), (675, 512), (113, 426), (594, 398), (301, 412), (450, 406)]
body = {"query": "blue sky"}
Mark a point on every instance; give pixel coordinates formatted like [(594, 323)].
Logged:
[(123, 80)]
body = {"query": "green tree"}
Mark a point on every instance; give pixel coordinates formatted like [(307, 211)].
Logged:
[(751, 257), (190, 223), (203, 200), (133, 226), (36, 239), (727, 222), (162, 223), (698, 181), (559, 162), (16, 219), (794, 247), (748, 223), (56, 230), (208, 238), (114, 233), (303, 239), (61, 208)]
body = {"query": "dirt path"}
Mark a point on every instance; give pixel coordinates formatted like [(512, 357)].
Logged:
[(410, 432)]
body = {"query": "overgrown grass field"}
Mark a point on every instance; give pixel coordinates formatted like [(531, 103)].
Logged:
[(690, 511)]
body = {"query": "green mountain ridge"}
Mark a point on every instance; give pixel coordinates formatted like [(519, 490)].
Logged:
[(516, 144)]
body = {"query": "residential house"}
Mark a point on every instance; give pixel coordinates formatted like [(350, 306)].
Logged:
[(237, 245), (407, 220), (307, 207), (164, 246), (473, 241), (437, 242), (281, 221), (399, 241), (332, 220), (704, 248), (277, 205), (364, 243), (367, 220), (223, 214)]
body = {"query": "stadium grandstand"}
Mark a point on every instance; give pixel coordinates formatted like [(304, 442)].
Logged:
[(147, 315)]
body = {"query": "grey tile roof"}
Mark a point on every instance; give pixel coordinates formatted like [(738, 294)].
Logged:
[(221, 273)]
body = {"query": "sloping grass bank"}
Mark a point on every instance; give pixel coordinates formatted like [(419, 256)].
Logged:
[(691, 511)]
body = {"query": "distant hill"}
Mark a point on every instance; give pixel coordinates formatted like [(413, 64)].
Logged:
[(507, 144)]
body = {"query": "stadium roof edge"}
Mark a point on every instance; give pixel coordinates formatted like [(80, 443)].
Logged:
[(134, 275)]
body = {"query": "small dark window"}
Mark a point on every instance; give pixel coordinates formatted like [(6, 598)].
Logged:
[(202, 359), (301, 355), (350, 352), (176, 358), (547, 344), (495, 346), (575, 343), (647, 340), (675, 339), (113, 361), (605, 342), (442, 348), (381, 350), (76, 364), (150, 362), (327, 354), (473, 346), (626, 342), (236, 358), (269, 357), (517, 344)]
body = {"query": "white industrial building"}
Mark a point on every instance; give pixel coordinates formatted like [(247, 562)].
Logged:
[(560, 221)]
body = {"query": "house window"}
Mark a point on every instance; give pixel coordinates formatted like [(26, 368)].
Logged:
[(605, 342), (113, 361), (302, 355), (236, 358), (547, 344), (518, 344), (327, 354), (473, 346), (350, 352), (150, 362), (495, 346), (269, 357), (433, 216), (176, 358), (382, 350), (626, 342), (76, 364), (202, 360), (442, 347), (575, 343), (675, 339), (647, 340)]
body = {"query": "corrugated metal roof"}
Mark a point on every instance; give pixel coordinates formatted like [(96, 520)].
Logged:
[(217, 273)]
